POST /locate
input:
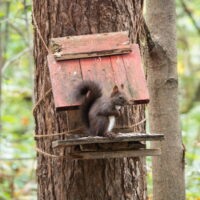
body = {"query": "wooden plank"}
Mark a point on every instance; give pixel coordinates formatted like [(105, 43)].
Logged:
[(94, 45), (121, 137), (64, 76), (135, 76), (120, 74), (99, 70), (87, 147), (115, 154), (112, 146)]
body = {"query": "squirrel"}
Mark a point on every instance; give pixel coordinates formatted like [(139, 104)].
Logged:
[(99, 112)]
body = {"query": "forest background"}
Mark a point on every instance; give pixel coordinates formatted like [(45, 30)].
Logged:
[(17, 154)]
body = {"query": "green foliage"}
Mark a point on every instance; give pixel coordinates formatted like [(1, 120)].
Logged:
[(191, 137), (188, 29), (17, 158)]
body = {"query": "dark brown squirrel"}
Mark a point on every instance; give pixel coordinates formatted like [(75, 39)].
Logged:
[(98, 112)]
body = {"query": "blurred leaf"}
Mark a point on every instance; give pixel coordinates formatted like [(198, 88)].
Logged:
[(181, 68)]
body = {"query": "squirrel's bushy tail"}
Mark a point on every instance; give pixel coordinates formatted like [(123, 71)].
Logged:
[(88, 92)]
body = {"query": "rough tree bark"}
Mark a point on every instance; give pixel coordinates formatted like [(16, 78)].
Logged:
[(168, 169), (117, 179)]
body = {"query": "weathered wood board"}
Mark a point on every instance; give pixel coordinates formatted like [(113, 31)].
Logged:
[(100, 70), (64, 77), (135, 76), (94, 45), (113, 154), (112, 146), (119, 138), (107, 71)]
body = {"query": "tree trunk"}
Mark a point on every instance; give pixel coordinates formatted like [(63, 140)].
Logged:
[(58, 178), (1, 66), (168, 169)]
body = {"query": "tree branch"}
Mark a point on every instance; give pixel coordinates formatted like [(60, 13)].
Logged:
[(197, 92), (15, 159), (13, 59), (4, 20), (195, 98), (20, 32), (189, 13), (6, 27)]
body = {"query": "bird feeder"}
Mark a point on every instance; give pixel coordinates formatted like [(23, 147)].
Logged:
[(109, 59)]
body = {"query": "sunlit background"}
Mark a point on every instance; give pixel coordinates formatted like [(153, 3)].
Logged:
[(17, 154)]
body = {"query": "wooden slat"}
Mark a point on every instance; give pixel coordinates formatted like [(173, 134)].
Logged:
[(112, 146), (64, 76), (135, 76), (120, 74), (121, 137), (94, 45), (99, 70), (114, 154)]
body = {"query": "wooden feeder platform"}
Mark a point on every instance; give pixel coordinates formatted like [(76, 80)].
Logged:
[(123, 145), (109, 59)]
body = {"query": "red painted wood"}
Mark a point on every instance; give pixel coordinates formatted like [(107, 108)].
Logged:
[(107, 43), (135, 75), (120, 75), (64, 77), (99, 70), (107, 71)]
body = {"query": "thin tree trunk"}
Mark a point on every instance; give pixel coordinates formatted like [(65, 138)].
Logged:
[(168, 169), (4, 36), (113, 179), (1, 66)]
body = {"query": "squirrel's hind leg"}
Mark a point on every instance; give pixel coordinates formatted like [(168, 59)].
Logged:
[(98, 125)]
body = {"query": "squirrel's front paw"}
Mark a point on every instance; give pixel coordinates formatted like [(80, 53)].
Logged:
[(110, 134)]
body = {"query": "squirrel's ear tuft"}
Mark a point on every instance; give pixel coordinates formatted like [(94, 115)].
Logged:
[(115, 91)]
